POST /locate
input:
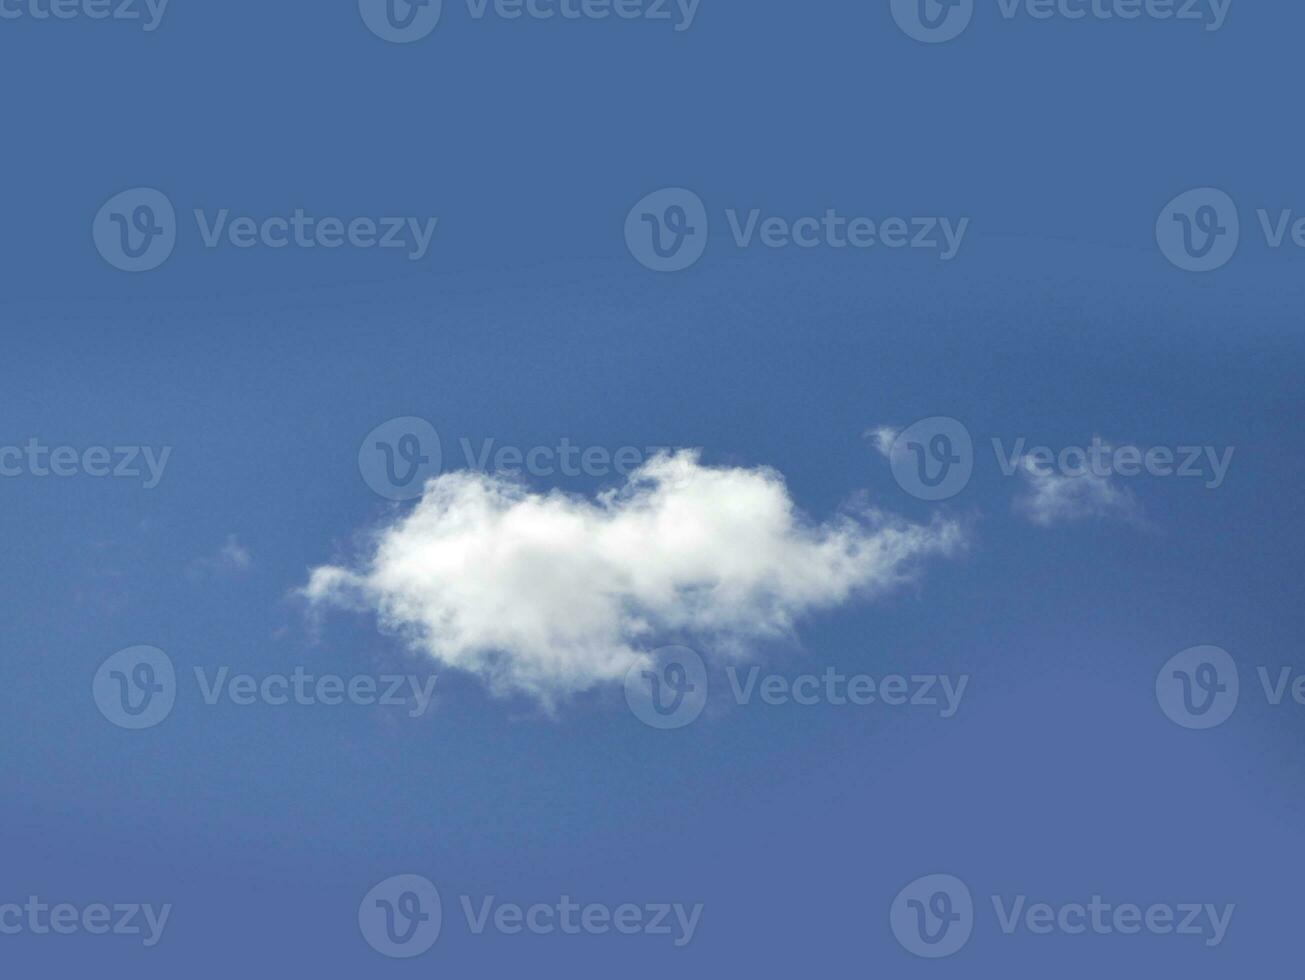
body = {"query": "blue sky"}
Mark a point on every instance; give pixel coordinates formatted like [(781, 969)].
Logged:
[(529, 319)]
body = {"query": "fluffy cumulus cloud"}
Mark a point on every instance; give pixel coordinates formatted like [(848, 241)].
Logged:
[(550, 594), (1054, 496)]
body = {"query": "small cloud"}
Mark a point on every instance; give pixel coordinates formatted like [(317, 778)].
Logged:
[(550, 594), (234, 554), (1052, 497), (882, 439), (232, 558)]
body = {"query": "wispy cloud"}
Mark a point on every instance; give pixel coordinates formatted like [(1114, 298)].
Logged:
[(231, 558), (882, 438), (550, 594), (1052, 497)]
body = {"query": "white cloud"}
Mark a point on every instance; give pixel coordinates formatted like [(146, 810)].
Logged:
[(231, 558), (234, 554), (551, 594), (1053, 497), (883, 439)]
